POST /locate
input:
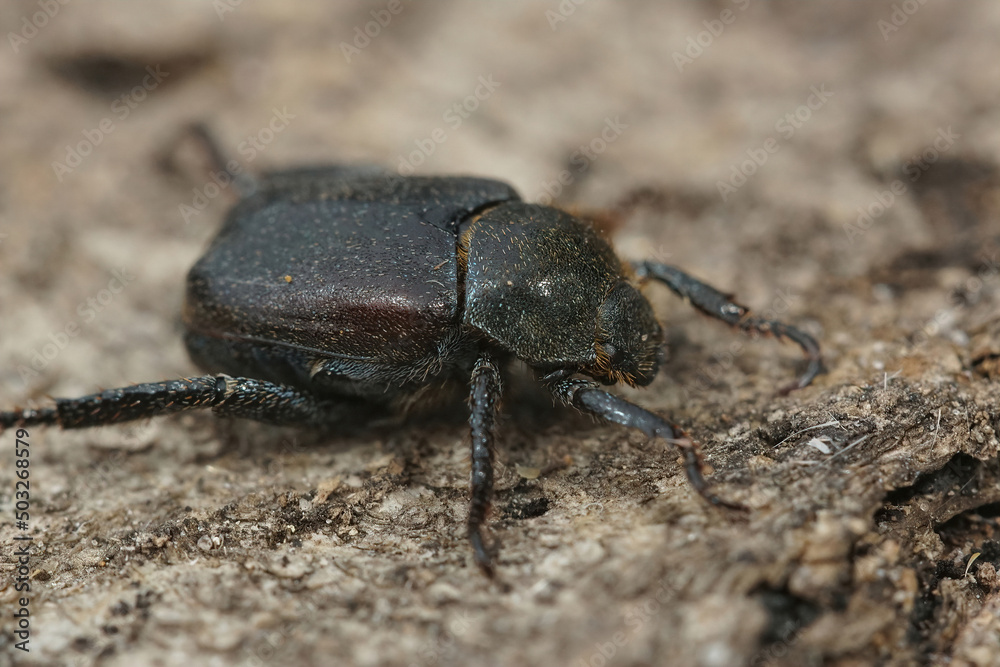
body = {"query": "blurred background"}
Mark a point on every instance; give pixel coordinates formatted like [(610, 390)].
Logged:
[(834, 164)]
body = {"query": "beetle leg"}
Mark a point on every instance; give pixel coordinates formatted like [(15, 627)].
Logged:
[(714, 303), (237, 397), (484, 401), (243, 182), (586, 397)]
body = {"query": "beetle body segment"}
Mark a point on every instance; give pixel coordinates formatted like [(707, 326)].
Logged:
[(361, 281), (535, 282), (343, 281)]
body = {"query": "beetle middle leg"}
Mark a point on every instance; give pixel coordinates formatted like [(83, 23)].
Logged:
[(585, 396), (484, 400), (716, 304), (225, 395)]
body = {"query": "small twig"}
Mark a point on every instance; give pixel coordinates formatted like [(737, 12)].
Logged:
[(832, 422), (848, 447)]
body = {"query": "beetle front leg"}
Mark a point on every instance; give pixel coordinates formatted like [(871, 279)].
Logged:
[(225, 395), (714, 303), (484, 400), (586, 397)]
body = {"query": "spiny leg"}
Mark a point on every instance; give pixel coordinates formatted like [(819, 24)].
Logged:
[(225, 395), (714, 303), (585, 396), (484, 401)]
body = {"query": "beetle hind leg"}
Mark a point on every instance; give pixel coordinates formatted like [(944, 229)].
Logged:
[(221, 164), (586, 397), (484, 401), (225, 395), (716, 304), (29, 417)]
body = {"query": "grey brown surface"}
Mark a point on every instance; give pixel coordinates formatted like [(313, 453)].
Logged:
[(184, 541)]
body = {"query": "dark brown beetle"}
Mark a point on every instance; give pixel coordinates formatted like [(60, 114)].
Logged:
[(335, 292)]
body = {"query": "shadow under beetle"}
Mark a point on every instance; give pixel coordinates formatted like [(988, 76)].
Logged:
[(335, 292)]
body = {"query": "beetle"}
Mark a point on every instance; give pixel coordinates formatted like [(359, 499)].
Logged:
[(336, 292)]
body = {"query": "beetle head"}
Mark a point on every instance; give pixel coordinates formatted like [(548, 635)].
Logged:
[(628, 338)]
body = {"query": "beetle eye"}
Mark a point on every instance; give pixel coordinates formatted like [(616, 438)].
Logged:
[(614, 354)]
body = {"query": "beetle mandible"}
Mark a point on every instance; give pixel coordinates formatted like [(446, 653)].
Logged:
[(338, 291)]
